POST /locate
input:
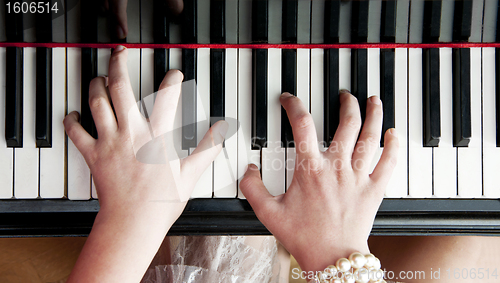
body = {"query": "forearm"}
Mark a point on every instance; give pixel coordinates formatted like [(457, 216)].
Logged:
[(120, 247)]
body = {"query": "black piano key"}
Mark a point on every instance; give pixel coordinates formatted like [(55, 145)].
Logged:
[(359, 21), (217, 85), (331, 96), (288, 84), (189, 22), (13, 24), (462, 20), (388, 21), (289, 24), (160, 66), (43, 130), (44, 27), (497, 93), (462, 128), (14, 97), (89, 12), (432, 21), (218, 21), (259, 99), (189, 63), (161, 27), (431, 94), (387, 90), (332, 16), (89, 71), (260, 13), (359, 78)]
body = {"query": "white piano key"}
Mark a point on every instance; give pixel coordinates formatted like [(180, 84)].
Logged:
[(232, 21), (303, 77), (402, 20), (245, 21), (103, 55), (203, 188), (491, 153), (476, 28), (304, 21), (469, 158), (490, 20), (147, 21), (203, 21), (345, 68), (29, 30), (175, 59), (26, 158), (416, 21), (79, 186), (134, 70), (104, 29), (374, 20), (225, 167), (317, 93), (373, 88), (447, 13), (58, 26), (175, 62), (6, 154), (274, 20), (147, 73), (73, 34), (52, 159), (273, 156), (134, 20), (445, 156), (398, 184), (245, 154), (345, 21), (317, 21), (175, 31), (420, 158)]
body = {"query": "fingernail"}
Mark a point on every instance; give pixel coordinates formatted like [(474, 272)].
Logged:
[(393, 132), (120, 32), (344, 91), (375, 100), (286, 95), (119, 48), (174, 77), (252, 167)]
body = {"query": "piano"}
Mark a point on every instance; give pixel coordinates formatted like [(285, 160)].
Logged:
[(425, 59)]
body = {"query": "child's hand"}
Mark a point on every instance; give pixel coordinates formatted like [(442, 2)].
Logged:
[(328, 211), (125, 185)]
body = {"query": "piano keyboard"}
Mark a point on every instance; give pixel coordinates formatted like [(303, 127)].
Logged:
[(442, 101)]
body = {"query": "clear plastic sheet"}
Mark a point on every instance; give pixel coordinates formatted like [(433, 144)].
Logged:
[(224, 259)]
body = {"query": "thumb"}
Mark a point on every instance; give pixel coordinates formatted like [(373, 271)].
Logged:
[(262, 202), (206, 151)]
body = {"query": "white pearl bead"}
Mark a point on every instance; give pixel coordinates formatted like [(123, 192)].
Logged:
[(336, 281), (357, 260), (377, 264), (343, 264), (375, 274), (332, 269), (348, 278), (362, 275), (370, 260)]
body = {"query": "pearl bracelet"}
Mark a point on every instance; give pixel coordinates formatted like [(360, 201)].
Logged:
[(358, 268)]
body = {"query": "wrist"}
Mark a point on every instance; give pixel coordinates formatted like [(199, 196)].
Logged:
[(318, 260)]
